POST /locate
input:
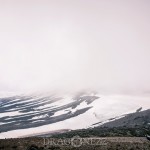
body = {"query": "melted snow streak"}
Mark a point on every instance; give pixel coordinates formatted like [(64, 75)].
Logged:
[(21, 112)]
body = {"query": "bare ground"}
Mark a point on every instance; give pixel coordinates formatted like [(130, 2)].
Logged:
[(106, 143)]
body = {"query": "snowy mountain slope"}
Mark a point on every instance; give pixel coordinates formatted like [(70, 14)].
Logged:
[(138, 118), (24, 115)]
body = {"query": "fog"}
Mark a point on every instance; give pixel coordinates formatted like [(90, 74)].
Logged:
[(75, 45)]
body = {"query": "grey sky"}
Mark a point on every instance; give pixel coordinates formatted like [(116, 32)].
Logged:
[(75, 44)]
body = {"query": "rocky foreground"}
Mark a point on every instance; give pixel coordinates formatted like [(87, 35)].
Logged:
[(93, 143)]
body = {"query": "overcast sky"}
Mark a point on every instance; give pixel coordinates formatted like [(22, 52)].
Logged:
[(101, 45)]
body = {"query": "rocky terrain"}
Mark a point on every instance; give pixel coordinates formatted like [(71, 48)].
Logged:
[(107, 143)]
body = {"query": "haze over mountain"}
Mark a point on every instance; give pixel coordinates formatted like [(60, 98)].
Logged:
[(70, 46), (70, 64)]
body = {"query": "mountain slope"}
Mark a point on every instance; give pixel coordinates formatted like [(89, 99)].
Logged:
[(26, 112), (26, 115), (131, 120), (135, 124)]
